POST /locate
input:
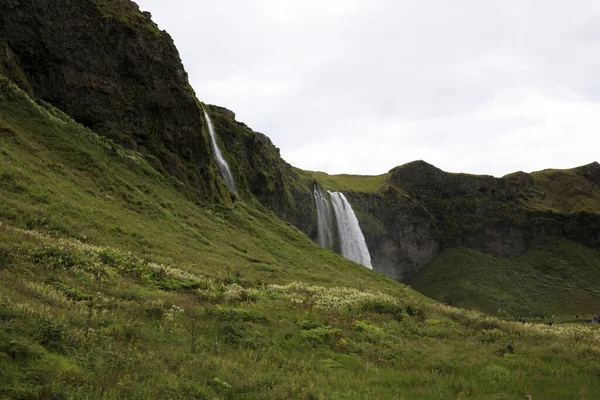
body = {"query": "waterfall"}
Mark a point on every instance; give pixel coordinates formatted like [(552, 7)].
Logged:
[(223, 166), (324, 220), (352, 241)]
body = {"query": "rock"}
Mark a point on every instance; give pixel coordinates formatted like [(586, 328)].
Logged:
[(401, 235)]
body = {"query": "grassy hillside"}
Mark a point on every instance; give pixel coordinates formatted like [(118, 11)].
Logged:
[(116, 283), (560, 278), (355, 183), (565, 191)]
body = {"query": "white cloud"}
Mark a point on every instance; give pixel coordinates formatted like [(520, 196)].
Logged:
[(301, 12)]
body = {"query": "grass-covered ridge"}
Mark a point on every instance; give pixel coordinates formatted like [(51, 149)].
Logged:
[(565, 191), (116, 283), (355, 183)]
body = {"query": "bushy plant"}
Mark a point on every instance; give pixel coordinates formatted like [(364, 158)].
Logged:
[(322, 335)]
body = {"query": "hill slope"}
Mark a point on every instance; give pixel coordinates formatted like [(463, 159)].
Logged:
[(115, 283)]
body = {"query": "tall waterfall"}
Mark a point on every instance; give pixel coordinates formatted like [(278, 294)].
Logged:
[(223, 166), (352, 241), (325, 236)]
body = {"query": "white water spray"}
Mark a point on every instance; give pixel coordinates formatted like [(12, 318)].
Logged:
[(352, 241), (221, 162), (324, 220)]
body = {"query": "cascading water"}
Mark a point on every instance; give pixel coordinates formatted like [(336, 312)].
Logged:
[(324, 220), (352, 241), (221, 162)]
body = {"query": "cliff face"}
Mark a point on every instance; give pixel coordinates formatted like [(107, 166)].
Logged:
[(262, 174), (401, 234), (110, 68), (422, 210)]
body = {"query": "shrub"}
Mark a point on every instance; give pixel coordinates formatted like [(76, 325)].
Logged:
[(5, 258), (71, 293), (234, 332), (56, 258), (237, 314), (154, 312), (321, 335), (366, 327), (21, 349), (305, 324), (415, 312), (50, 334)]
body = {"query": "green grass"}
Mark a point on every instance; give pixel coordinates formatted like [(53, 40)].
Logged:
[(116, 283), (355, 183), (565, 191), (559, 278)]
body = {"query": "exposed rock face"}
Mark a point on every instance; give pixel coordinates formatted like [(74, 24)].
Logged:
[(401, 235), (110, 68)]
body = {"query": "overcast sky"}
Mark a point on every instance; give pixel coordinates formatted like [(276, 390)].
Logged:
[(360, 86)]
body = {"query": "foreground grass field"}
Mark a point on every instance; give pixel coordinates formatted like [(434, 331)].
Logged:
[(115, 283)]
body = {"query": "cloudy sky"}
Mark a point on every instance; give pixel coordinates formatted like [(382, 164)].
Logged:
[(360, 86)]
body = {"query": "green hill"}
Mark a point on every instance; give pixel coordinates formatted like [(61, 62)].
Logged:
[(116, 283), (559, 278)]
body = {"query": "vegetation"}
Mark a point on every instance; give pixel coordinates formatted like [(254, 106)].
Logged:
[(115, 283), (556, 279), (565, 191), (354, 183)]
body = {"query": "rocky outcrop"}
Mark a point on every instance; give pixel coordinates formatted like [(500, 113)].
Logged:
[(109, 67)]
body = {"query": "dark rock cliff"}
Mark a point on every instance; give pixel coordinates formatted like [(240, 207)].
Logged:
[(109, 67), (401, 234)]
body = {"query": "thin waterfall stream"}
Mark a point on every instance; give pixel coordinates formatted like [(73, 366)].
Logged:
[(224, 169)]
